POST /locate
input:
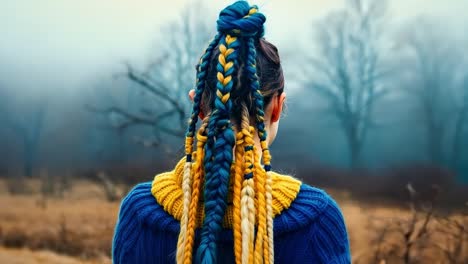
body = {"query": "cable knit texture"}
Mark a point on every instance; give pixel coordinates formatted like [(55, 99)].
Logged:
[(308, 224)]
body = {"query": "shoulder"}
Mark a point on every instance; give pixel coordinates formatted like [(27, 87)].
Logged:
[(139, 193), (327, 215), (328, 235), (137, 200), (128, 225), (309, 206), (140, 206), (138, 213), (315, 218)]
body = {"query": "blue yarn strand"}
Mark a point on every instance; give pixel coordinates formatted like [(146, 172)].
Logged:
[(201, 82), (251, 69), (218, 161), (235, 20)]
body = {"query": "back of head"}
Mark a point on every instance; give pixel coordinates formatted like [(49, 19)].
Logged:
[(237, 76)]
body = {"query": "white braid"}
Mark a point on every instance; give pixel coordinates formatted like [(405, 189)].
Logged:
[(187, 190), (247, 219)]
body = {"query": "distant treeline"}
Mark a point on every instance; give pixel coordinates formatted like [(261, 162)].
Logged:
[(366, 94)]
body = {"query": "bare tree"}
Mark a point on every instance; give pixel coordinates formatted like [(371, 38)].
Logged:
[(26, 121), (4, 133), (161, 103), (349, 71), (405, 238), (454, 230), (423, 235), (461, 122), (432, 65)]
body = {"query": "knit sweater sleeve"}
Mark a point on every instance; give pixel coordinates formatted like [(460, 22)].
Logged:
[(128, 227), (330, 243)]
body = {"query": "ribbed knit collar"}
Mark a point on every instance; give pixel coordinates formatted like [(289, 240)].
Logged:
[(167, 190)]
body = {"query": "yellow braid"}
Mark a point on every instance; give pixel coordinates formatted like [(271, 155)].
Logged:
[(186, 182), (269, 201), (262, 217), (248, 192), (266, 156), (195, 195), (236, 198)]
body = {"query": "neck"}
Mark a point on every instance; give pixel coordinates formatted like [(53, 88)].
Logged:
[(167, 189)]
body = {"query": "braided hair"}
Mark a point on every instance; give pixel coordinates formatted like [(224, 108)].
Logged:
[(237, 76)]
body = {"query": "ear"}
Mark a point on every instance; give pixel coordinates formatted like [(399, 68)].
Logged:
[(278, 102), (191, 95)]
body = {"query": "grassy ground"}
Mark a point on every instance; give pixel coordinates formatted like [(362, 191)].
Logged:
[(80, 224), (78, 228), (26, 256)]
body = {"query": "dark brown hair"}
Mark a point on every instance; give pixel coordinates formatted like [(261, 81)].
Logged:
[(270, 74)]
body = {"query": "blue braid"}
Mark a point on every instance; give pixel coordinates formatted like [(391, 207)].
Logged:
[(251, 69), (201, 82), (239, 20), (231, 21), (218, 160)]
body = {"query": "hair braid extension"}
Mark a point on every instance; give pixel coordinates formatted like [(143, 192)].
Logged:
[(262, 232), (187, 191), (248, 190), (196, 189), (201, 83), (251, 70), (215, 140), (269, 204), (250, 27), (268, 193), (187, 178), (200, 86), (216, 185), (258, 98), (236, 198), (263, 249), (261, 205), (248, 221)]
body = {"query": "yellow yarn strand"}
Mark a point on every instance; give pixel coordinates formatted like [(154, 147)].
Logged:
[(236, 198), (251, 12), (248, 210), (269, 201), (269, 238), (261, 205), (266, 156), (186, 187), (196, 190)]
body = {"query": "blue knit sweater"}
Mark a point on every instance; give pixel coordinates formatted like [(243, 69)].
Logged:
[(311, 230)]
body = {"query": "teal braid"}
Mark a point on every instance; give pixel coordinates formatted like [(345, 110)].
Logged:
[(201, 82), (251, 69), (218, 151), (238, 22)]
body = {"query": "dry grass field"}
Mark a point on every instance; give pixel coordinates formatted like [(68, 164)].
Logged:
[(78, 228), (27, 256)]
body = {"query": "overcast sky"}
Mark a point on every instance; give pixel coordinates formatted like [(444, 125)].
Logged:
[(57, 44)]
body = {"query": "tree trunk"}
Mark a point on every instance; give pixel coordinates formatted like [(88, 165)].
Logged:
[(354, 145), (457, 137), (28, 158)]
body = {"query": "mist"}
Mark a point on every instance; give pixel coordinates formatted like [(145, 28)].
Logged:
[(94, 101), (64, 64)]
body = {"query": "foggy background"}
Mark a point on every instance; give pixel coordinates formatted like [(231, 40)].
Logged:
[(370, 87), (94, 99)]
